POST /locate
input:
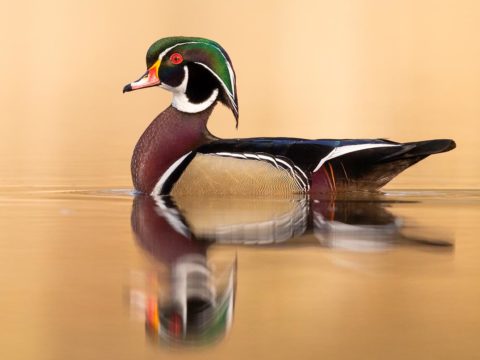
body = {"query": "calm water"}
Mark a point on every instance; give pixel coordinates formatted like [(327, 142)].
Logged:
[(101, 274)]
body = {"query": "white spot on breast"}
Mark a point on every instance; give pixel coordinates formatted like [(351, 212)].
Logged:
[(158, 187)]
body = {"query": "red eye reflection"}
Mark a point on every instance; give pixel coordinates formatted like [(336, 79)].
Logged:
[(176, 58)]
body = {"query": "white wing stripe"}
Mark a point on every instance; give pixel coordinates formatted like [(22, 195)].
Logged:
[(342, 150), (241, 156)]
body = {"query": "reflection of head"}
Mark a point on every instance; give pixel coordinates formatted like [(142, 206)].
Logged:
[(199, 311)]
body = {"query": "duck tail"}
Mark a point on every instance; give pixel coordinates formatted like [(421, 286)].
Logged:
[(371, 168), (421, 148)]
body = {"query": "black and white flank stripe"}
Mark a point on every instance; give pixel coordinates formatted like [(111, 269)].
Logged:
[(278, 162)]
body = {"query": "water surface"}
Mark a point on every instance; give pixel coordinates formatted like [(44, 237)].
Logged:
[(98, 273)]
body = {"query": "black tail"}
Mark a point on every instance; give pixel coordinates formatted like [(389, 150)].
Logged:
[(370, 169), (420, 148)]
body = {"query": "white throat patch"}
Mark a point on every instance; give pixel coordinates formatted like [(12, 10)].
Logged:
[(180, 100)]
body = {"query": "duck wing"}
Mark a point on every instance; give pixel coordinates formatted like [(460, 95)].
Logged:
[(268, 166)]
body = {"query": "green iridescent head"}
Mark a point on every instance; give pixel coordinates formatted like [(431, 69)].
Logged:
[(197, 71)]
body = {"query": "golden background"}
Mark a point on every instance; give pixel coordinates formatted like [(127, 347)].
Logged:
[(404, 70)]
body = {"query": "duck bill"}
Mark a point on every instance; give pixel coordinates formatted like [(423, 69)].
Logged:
[(149, 79)]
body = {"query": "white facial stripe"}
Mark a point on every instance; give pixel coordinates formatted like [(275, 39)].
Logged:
[(230, 95), (180, 100), (162, 54), (342, 150), (158, 187), (230, 70)]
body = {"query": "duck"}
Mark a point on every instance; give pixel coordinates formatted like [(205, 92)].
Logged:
[(177, 154)]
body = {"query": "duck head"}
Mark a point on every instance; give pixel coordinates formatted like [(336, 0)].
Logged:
[(197, 71)]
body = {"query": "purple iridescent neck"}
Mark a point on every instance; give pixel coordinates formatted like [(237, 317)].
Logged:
[(170, 136)]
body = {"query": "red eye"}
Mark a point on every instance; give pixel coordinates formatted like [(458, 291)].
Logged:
[(176, 58)]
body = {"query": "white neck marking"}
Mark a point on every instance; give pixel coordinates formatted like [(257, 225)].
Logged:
[(231, 94), (180, 100)]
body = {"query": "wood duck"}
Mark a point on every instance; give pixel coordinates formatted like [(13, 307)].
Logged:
[(178, 155)]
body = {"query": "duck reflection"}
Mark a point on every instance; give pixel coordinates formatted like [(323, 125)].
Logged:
[(177, 233), (355, 225), (357, 222), (198, 308), (194, 312)]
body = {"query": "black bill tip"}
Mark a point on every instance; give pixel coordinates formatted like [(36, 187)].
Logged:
[(127, 88)]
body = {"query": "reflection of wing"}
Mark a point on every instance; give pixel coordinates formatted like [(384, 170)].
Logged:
[(355, 237), (245, 221), (364, 225), (170, 226), (360, 226)]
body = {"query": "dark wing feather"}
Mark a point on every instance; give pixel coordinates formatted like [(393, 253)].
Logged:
[(365, 169), (370, 169), (306, 154)]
